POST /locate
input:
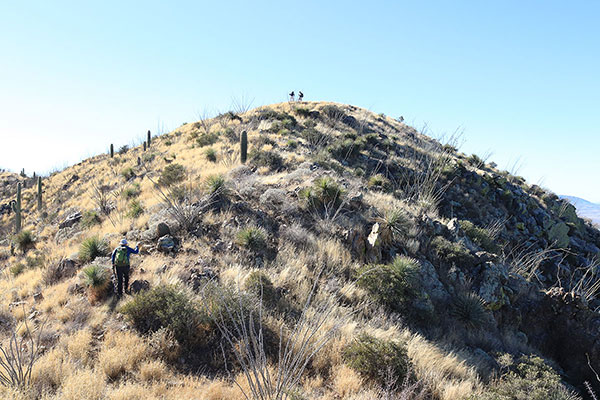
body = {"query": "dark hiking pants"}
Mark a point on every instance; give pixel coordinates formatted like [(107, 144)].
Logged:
[(122, 274)]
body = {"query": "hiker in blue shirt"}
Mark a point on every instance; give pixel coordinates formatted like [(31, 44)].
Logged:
[(120, 263)]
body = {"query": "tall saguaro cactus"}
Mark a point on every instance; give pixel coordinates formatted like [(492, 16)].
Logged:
[(39, 193), (16, 206), (145, 145), (149, 138), (244, 147), (112, 150)]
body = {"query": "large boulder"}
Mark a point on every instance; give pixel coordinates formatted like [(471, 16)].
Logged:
[(166, 244), (71, 220)]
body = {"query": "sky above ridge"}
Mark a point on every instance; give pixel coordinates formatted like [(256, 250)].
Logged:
[(520, 79)]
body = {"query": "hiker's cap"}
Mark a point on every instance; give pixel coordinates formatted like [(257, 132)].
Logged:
[(123, 242)]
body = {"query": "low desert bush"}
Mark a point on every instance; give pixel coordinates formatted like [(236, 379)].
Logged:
[(128, 173), (166, 306), (135, 209), (132, 191), (479, 236), (91, 248), (172, 174), (253, 238), (90, 218), (259, 284), (24, 240), (207, 139), (452, 253), (392, 285), (211, 154), (163, 345), (121, 353), (266, 158), (377, 359), (531, 379)]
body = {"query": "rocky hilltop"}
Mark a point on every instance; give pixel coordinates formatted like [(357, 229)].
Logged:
[(302, 251)]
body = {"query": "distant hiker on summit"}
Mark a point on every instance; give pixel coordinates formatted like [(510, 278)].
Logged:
[(292, 96), (300, 96), (121, 266)]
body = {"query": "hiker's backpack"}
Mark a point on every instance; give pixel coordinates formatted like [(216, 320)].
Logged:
[(121, 257)]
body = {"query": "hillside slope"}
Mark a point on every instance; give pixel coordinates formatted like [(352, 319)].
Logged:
[(405, 267)]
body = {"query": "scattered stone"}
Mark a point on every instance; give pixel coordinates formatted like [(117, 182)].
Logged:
[(38, 297), (139, 285)]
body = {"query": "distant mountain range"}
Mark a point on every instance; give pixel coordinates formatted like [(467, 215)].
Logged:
[(585, 209)]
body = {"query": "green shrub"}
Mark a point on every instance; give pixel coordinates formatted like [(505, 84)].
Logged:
[(377, 359), (172, 174), (266, 158), (452, 253), (135, 209), (148, 157), (324, 193), (24, 240), (210, 154), (259, 284), (253, 238), (302, 112), (90, 218), (17, 269), (469, 309), (314, 137), (379, 182), (475, 161), (291, 144), (128, 173), (215, 185), (123, 149), (333, 112), (392, 285), (479, 236), (166, 306), (531, 379), (346, 149), (91, 248), (132, 191), (207, 139)]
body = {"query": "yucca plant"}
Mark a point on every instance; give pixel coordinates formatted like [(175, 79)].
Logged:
[(252, 237), (96, 278), (91, 248), (469, 309), (215, 185), (211, 154)]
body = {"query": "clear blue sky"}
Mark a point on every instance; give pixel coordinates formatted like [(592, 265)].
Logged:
[(522, 78)]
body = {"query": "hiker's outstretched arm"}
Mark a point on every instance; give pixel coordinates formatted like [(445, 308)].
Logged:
[(135, 251)]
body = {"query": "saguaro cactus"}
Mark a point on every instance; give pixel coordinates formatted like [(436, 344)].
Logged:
[(16, 206), (145, 146), (39, 193), (149, 139), (112, 150), (244, 147)]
